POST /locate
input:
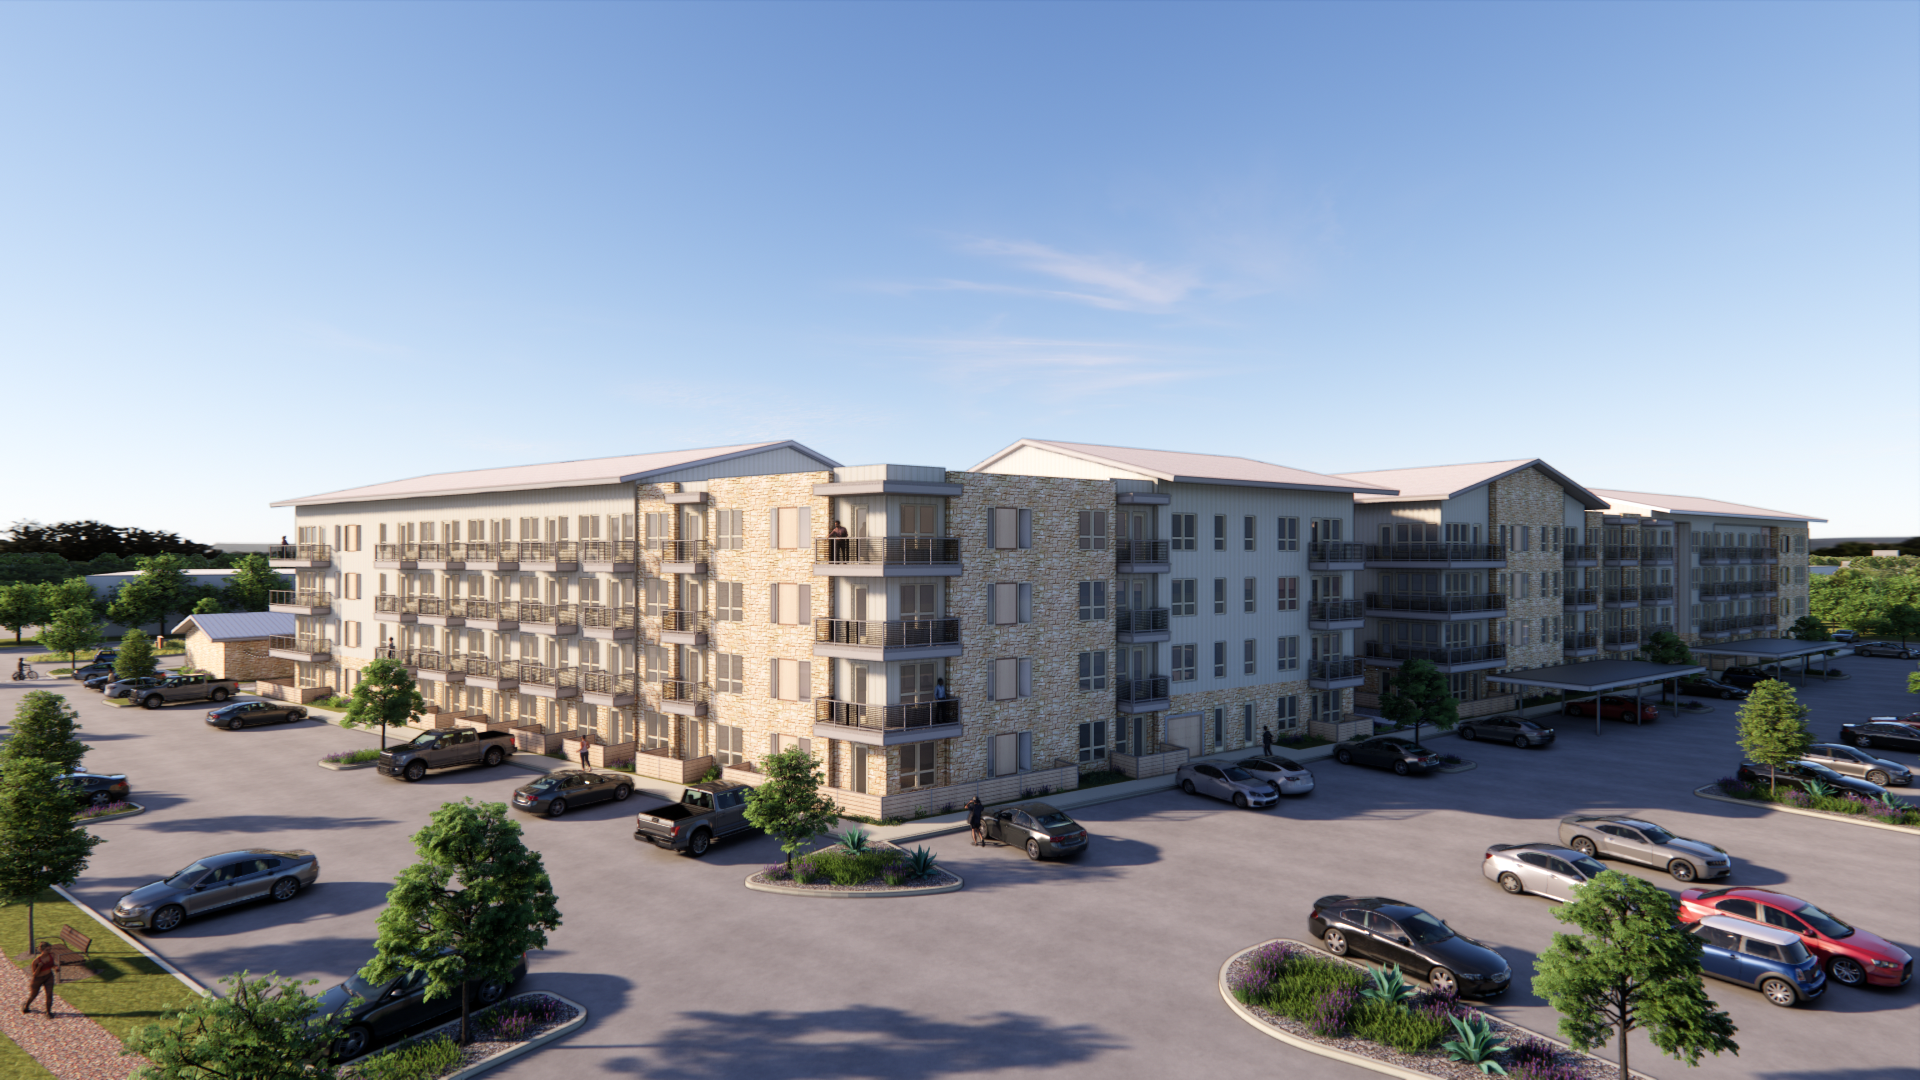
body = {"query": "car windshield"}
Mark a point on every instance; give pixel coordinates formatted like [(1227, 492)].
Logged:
[(1823, 922), (1055, 820), (1415, 748), (1589, 868), (1423, 928), (1235, 773), (545, 784), (425, 738), (1654, 833), (361, 988), (187, 876)]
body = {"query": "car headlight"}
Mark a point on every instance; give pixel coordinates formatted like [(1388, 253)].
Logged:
[(1885, 964)]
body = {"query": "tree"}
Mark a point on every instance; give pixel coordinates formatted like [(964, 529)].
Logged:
[(33, 567), (43, 729), (162, 588), (1910, 546), (71, 630), (1860, 598), (1665, 647), (1633, 966), (73, 592), (465, 914), (22, 604), (252, 580), (789, 806), (41, 845), (78, 541), (259, 1029), (208, 606), (1773, 726), (386, 696), (136, 657), (1417, 694), (1902, 619), (1808, 628)]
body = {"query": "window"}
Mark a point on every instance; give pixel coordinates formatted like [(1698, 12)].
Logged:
[(1246, 722), (1288, 716), (1219, 596), (1009, 528), (1093, 741), (789, 526), (1327, 530), (730, 601), (1183, 661), (656, 660), (1009, 602), (1247, 662), (1287, 656), (790, 604), (1093, 600), (729, 673), (1093, 530), (1288, 593), (790, 680), (659, 529), (1246, 533), (1184, 598), (728, 744), (659, 594), (729, 529), (1287, 533), (1247, 601), (1219, 659), (1461, 532), (1186, 532), (916, 765), (1219, 727), (1219, 532), (1093, 670), (1010, 678)]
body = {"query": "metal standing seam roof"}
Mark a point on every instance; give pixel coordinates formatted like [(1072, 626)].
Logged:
[(240, 625), (584, 473), (1690, 504), (1174, 466), (1437, 483), (1597, 676)]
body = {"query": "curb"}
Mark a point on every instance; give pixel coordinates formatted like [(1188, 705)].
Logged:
[(851, 894), (535, 1043), (189, 980), (135, 812), (338, 767), (1846, 819), (1464, 766)]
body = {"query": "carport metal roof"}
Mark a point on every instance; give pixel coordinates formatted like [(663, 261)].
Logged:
[(1771, 649), (1598, 676)]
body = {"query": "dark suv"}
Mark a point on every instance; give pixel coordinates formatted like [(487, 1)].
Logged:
[(375, 1012), (1746, 678)]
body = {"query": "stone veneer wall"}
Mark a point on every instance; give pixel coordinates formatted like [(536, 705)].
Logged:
[(1529, 498), (243, 659)]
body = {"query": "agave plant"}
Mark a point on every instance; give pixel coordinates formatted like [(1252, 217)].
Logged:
[(920, 863), (1388, 986), (1476, 1044), (1887, 800), (853, 840), (1819, 789)]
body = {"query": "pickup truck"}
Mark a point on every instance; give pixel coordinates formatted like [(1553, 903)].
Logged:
[(443, 750), (174, 688), (705, 813)]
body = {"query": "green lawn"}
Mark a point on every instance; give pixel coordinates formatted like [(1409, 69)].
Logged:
[(17, 1064), (127, 990)]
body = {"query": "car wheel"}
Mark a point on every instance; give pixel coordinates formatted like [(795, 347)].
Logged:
[(1522, 742), (353, 1042), (620, 793), (297, 714), (100, 798), (285, 888), (495, 757), (556, 807), (1864, 742), (167, 918), (1186, 786), (1585, 847), (701, 841), (1779, 991), (1033, 849), (1344, 757), (1512, 884), (1467, 734), (1443, 981), (151, 701), (1569, 710), (1726, 695), (1239, 800), (1681, 869), (1878, 777), (235, 724), (415, 771), (490, 992), (1336, 942), (1400, 768), (219, 695), (1847, 970)]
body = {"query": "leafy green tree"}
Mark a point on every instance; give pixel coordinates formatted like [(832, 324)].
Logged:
[(161, 589), (465, 914), (44, 727), (252, 580), (1860, 598), (1417, 694), (136, 657), (22, 604), (1913, 682), (78, 541), (386, 696), (71, 631), (1773, 726), (1808, 628), (73, 592), (33, 568), (41, 845), (789, 806), (208, 606), (259, 1029), (1665, 647), (1632, 966), (1902, 619)]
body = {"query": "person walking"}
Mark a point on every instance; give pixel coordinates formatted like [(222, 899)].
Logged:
[(976, 811), (584, 743), (1266, 740), (42, 973)]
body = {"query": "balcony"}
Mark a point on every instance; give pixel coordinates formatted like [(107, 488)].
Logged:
[(300, 602), (887, 556), (1655, 595), (1142, 695), (1580, 555), (907, 639), (1763, 555), (1655, 555), (307, 650), (437, 611), (1620, 555), (1335, 673), (1621, 596), (556, 619), (683, 556), (604, 623), (553, 556), (1336, 555), (606, 688), (683, 627), (1580, 599), (395, 609), (397, 556), (683, 698), (1141, 557), (1765, 588), (1436, 556), (488, 614), (1441, 607), (548, 682), (504, 555), (300, 556), (1136, 626), (434, 665), (493, 674), (1716, 556), (1579, 643), (1729, 624), (607, 556), (441, 556), (886, 725), (1621, 639), (1448, 658)]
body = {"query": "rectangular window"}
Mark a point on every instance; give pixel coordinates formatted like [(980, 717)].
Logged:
[(1219, 532), (1009, 528), (916, 765), (1247, 650), (1246, 723), (659, 593), (1093, 601), (1093, 670), (1093, 741), (1287, 533), (1183, 658), (1247, 595), (1186, 532), (1246, 533), (1093, 530), (730, 601), (1219, 596), (1185, 596), (657, 661), (1219, 659), (729, 673), (659, 529), (1287, 657), (1288, 593), (729, 529), (1287, 716), (729, 744), (1219, 727)]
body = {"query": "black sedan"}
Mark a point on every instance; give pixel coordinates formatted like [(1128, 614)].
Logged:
[(1424, 946), (1036, 828), (1881, 734), (254, 713), (1799, 774), (563, 789), (92, 671), (1388, 752), (1746, 678), (97, 789), (1517, 730), (1707, 686), (374, 1012), (1899, 651)]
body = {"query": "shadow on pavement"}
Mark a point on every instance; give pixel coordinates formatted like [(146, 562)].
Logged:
[(259, 823)]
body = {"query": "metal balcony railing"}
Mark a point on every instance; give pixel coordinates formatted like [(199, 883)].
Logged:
[(486, 551), (1650, 594), (554, 551), (685, 622), (393, 604), (542, 675), (1443, 602), (890, 550), (491, 669), (681, 690), (1656, 553), (1619, 637), (1151, 688), (903, 717), (1437, 654), (436, 552), (1436, 553), (1139, 620), (606, 682), (1334, 610), (601, 615), (297, 643), (1577, 597), (1765, 588), (1728, 623), (609, 551), (396, 552), (299, 598), (1336, 551), (1579, 553), (1621, 552), (1578, 639), (554, 614), (473, 607), (432, 605), (1140, 551), (1334, 667), (683, 551), (434, 660), (892, 634), (299, 551), (1622, 594)]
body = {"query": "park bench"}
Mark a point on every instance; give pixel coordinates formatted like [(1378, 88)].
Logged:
[(75, 951)]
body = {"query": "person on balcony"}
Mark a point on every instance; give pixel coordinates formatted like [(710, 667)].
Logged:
[(939, 689), (838, 549)]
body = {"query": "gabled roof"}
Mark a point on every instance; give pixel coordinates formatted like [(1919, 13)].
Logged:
[(240, 625), (1174, 466), (1436, 483), (588, 473), (1690, 504)]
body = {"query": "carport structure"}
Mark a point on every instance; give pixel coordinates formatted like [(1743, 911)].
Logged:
[(1777, 651), (1597, 677)]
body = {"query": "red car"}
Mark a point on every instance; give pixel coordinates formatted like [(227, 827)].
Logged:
[(1613, 707), (1851, 955)]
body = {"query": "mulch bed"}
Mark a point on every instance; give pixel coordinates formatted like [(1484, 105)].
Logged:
[(69, 1044), (938, 878), (481, 1049)]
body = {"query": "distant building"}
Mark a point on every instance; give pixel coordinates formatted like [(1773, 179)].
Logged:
[(234, 646), (104, 585)]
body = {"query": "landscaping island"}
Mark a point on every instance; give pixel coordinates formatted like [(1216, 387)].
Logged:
[(869, 869)]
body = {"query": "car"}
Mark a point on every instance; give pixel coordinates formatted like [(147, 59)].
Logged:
[(254, 713), (1708, 686), (1614, 707), (1767, 958), (1845, 637), (191, 687), (1549, 870), (120, 688), (1517, 730), (563, 789), (1853, 956), (1848, 761), (1881, 733), (444, 749), (1424, 946), (92, 671), (105, 656), (217, 881), (1638, 840), (706, 813), (99, 682), (1388, 752), (98, 789), (1230, 783), (1747, 678), (1040, 829), (371, 1013), (1288, 776), (1900, 651), (1799, 774)]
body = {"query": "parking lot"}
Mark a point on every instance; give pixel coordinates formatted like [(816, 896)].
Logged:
[(1101, 967)]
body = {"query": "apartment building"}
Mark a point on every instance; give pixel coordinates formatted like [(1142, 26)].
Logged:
[(1467, 567)]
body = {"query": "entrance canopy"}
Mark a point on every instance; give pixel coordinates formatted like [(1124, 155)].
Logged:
[(1599, 676), (1770, 650)]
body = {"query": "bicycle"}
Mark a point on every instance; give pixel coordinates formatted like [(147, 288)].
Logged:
[(21, 674)]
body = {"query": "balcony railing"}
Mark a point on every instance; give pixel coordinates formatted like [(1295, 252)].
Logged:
[(1727, 623), (1151, 688), (890, 550), (1140, 551), (1139, 620), (607, 551), (553, 614), (491, 669), (1622, 594), (299, 598), (433, 660), (1622, 637), (601, 615), (905, 717), (1335, 667), (393, 604), (1437, 654), (893, 634), (1651, 594), (1442, 602), (1579, 597), (1655, 553), (681, 690), (396, 552), (1621, 553), (606, 682), (438, 552), (1765, 588), (296, 643), (1335, 610), (432, 605), (473, 607), (683, 551), (1579, 553), (486, 551), (553, 551), (1575, 640), (685, 622), (542, 675), (1436, 553), (1336, 551), (299, 551)]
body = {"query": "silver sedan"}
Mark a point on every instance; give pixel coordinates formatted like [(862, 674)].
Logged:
[(1291, 777), (217, 881), (1547, 870), (1228, 782)]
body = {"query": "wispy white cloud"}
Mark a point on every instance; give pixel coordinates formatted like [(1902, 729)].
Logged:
[(1054, 368), (1106, 281)]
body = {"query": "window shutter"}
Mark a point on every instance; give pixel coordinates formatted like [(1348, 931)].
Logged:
[(1025, 521), (1026, 750), (991, 617), (805, 616), (1026, 603), (773, 527), (992, 744), (1025, 670), (991, 513), (805, 692), (805, 518), (806, 745), (773, 678), (773, 603)]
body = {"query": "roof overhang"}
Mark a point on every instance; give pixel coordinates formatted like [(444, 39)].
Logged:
[(1133, 470), (1746, 513), (1597, 676), (1586, 498), (1771, 649)]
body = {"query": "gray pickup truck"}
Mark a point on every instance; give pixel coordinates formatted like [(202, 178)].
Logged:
[(705, 813), (443, 750), (174, 688)]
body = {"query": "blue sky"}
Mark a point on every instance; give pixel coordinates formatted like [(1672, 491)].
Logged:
[(252, 252)]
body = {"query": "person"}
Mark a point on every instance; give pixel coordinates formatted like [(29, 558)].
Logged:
[(1266, 740), (42, 973), (976, 811), (838, 534), (584, 743), (939, 689)]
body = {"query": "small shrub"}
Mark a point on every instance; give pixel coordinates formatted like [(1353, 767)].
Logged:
[(1549, 1070), (1296, 993), (1046, 790), (1392, 1025), (892, 878), (920, 862), (515, 1021), (352, 757), (804, 870), (1439, 1005), (919, 812), (775, 871), (104, 809), (1734, 786), (853, 840), (1026, 793), (1449, 759), (1531, 1051), (420, 1061), (1475, 1043), (1387, 985), (946, 808), (1331, 1013), (708, 777)]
